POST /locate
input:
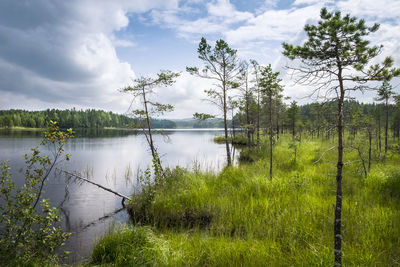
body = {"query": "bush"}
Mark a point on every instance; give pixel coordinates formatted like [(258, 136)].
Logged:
[(29, 234)]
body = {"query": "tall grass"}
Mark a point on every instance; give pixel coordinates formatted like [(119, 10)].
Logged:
[(239, 217)]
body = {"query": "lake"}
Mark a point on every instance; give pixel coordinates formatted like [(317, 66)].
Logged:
[(111, 158)]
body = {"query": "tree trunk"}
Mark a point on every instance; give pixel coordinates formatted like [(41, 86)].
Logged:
[(369, 149), (386, 126), (149, 136), (379, 133), (258, 116), (362, 161), (148, 125), (248, 118), (270, 137), (339, 194), (293, 127), (228, 153), (277, 122)]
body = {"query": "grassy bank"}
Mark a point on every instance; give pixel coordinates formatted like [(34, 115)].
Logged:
[(20, 128), (239, 139), (240, 217)]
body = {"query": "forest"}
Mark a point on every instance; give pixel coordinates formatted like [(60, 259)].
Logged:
[(73, 118), (313, 118)]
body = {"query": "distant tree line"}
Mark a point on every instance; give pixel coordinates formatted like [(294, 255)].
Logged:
[(319, 118), (211, 123), (72, 118)]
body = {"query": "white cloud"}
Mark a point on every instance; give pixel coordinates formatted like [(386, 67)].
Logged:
[(221, 14), (187, 95), (279, 25), (381, 10), (64, 51), (311, 2), (224, 9)]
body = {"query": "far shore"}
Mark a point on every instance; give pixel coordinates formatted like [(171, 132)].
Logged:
[(20, 128)]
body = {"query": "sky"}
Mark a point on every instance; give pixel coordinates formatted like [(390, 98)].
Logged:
[(78, 53)]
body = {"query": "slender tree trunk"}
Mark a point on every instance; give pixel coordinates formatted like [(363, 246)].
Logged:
[(369, 149), (277, 122), (362, 162), (386, 126), (293, 127), (277, 129), (379, 132), (233, 139), (228, 154), (248, 118), (339, 193), (258, 116), (270, 137), (150, 139), (233, 129)]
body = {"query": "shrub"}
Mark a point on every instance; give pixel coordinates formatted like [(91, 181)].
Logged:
[(29, 234)]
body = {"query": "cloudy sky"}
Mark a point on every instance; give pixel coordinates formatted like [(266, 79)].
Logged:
[(77, 53)]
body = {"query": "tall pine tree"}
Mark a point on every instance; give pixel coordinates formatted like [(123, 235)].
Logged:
[(335, 59)]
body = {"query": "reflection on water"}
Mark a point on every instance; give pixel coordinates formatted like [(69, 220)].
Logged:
[(91, 133), (111, 158)]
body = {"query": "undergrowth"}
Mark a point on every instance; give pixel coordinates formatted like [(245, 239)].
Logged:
[(240, 217)]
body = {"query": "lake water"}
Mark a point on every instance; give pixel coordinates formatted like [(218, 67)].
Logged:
[(111, 158)]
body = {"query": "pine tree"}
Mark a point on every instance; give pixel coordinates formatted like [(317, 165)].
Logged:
[(221, 65), (271, 89), (385, 93), (335, 59)]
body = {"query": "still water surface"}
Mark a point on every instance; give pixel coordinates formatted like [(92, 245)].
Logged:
[(111, 158)]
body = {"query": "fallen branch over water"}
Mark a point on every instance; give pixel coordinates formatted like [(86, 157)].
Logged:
[(98, 185)]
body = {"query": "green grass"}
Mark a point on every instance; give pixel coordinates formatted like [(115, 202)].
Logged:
[(20, 128), (240, 139), (239, 217)]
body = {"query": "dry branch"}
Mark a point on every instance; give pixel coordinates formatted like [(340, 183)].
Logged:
[(96, 184)]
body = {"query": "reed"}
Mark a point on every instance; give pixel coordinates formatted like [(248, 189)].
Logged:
[(239, 217)]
